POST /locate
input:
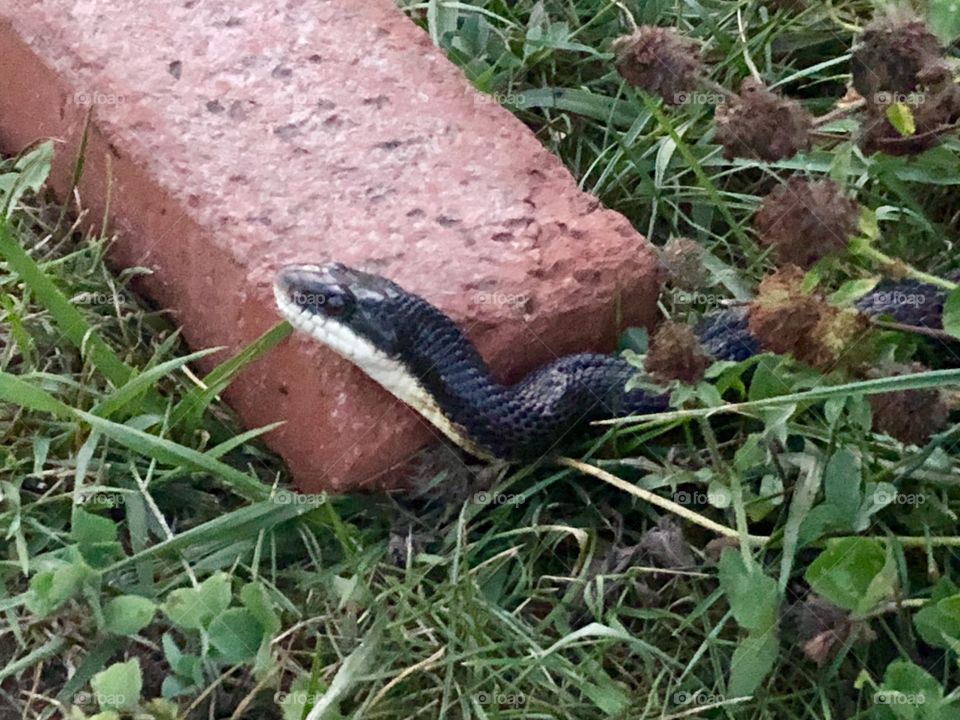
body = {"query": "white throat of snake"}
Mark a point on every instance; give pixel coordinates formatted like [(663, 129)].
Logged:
[(388, 371)]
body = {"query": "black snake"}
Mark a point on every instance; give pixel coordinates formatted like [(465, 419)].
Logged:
[(422, 357)]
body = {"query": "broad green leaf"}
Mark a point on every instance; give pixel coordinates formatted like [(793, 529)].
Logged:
[(767, 381), (719, 495), (841, 484), (51, 588), (90, 529), (909, 692), (882, 586), (937, 627), (750, 454), (951, 313), (236, 634), (118, 687), (32, 171), (96, 537), (845, 572), (853, 290), (128, 614), (194, 608), (939, 622), (754, 597), (255, 598), (901, 117), (752, 661), (842, 499), (943, 17), (818, 522)]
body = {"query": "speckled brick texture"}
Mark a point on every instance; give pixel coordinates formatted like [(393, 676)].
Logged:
[(241, 135)]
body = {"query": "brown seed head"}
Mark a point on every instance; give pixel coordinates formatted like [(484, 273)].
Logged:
[(659, 60), (806, 221), (676, 354), (759, 124), (894, 51), (682, 258), (935, 111), (787, 320), (910, 416)]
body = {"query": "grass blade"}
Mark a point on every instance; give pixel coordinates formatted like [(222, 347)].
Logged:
[(70, 321)]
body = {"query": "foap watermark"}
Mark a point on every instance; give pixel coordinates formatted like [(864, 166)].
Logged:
[(489, 497), (100, 497), (882, 497), (87, 699), (308, 299), (699, 497), (694, 297), (913, 99), (698, 697), (896, 297), (895, 697), (516, 301), (286, 497), (98, 298), (88, 98), (501, 699), (300, 697), (697, 97), (500, 98)]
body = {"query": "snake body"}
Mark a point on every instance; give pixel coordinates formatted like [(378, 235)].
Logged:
[(421, 356)]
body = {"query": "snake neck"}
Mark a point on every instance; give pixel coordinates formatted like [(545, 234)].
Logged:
[(520, 421)]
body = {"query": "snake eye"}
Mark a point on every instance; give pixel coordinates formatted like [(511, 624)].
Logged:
[(334, 304)]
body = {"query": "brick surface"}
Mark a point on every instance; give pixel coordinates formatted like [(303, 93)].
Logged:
[(241, 135)]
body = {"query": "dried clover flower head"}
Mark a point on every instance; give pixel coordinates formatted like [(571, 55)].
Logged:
[(659, 60), (934, 111), (675, 354), (682, 258), (805, 221), (782, 315), (787, 320), (910, 416), (893, 56), (763, 125), (840, 339)]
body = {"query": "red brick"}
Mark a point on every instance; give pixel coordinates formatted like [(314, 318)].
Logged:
[(242, 135)]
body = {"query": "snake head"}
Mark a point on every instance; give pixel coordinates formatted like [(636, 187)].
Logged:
[(346, 309)]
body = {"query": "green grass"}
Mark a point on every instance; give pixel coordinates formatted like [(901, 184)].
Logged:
[(156, 559)]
